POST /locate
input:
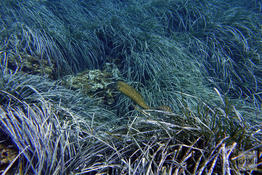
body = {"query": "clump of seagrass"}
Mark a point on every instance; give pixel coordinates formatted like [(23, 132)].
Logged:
[(209, 141), (42, 140)]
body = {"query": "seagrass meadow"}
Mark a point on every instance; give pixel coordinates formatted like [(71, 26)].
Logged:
[(131, 87)]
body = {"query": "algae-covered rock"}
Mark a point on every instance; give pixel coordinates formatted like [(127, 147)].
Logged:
[(7, 154), (30, 64), (95, 83)]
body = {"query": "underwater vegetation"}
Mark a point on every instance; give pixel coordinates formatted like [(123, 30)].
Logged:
[(130, 87)]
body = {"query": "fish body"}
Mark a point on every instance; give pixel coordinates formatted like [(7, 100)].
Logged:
[(132, 94)]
